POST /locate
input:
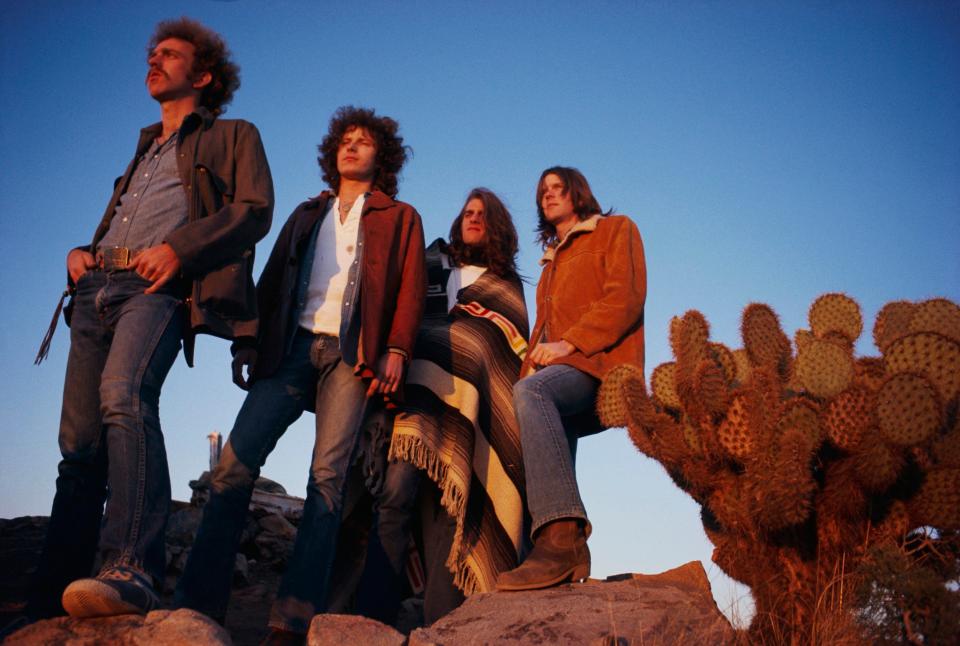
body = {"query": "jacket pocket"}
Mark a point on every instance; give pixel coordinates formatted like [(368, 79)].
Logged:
[(228, 291), (212, 189)]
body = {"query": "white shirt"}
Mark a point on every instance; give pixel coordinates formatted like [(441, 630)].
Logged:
[(336, 250), (460, 277)]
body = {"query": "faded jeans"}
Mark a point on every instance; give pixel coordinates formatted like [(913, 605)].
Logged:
[(122, 345), (271, 406), (541, 401)]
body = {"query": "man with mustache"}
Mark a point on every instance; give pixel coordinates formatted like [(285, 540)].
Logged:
[(171, 258)]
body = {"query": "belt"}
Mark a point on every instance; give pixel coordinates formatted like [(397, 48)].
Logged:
[(115, 258)]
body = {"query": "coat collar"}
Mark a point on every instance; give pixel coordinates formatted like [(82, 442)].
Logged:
[(583, 226), (374, 200), (200, 116)]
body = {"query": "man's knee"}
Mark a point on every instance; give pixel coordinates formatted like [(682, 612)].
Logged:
[(328, 484), (525, 391), (117, 402), (231, 473), (399, 488)]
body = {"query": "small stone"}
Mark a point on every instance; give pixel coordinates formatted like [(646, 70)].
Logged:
[(348, 630)]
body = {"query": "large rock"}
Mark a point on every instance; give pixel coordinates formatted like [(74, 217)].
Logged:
[(159, 628), (675, 606), (350, 630)]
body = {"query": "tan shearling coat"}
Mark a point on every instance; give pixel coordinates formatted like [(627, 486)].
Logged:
[(591, 293)]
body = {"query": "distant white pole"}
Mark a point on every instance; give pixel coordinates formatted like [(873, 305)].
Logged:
[(216, 445)]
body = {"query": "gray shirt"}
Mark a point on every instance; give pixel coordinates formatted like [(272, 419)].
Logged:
[(154, 203)]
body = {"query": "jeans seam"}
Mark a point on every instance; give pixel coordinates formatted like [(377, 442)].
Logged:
[(127, 555), (536, 389), (553, 435)]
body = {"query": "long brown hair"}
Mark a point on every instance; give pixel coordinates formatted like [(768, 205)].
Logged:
[(499, 252), (584, 203)]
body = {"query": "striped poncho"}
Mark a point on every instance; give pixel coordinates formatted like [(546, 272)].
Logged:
[(457, 423)]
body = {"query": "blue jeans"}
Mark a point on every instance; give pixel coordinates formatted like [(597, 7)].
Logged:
[(541, 401), (379, 592), (271, 406), (122, 345)]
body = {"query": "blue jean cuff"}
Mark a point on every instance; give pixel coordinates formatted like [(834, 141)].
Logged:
[(580, 515)]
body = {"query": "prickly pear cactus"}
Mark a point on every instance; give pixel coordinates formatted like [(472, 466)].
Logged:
[(804, 458)]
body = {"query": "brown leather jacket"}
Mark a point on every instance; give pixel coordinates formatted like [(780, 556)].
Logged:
[(393, 282), (591, 294), (224, 171)]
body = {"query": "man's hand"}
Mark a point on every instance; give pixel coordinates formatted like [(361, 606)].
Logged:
[(157, 264), (388, 374), (544, 354), (245, 357), (78, 263)]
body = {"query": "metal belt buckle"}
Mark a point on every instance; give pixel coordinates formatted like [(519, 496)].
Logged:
[(116, 258)]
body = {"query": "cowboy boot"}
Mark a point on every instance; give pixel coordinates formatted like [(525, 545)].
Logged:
[(559, 554)]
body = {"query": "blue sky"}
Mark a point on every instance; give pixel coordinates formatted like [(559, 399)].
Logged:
[(768, 151)]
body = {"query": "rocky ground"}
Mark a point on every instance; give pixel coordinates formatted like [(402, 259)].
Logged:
[(672, 607), (266, 544)]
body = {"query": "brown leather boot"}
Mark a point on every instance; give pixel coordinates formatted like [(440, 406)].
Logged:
[(559, 554)]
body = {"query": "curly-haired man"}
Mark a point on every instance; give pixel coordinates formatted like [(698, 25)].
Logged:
[(340, 301), (170, 258)]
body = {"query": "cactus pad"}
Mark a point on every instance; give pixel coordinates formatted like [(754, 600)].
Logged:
[(744, 369), (877, 465), (938, 501), (801, 415), (664, 385), (787, 499), (824, 369), (908, 409), (724, 358), (763, 338), (689, 336), (869, 372), (734, 432), (893, 321), (835, 313), (937, 315), (848, 416), (935, 356), (711, 387), (622, 397)]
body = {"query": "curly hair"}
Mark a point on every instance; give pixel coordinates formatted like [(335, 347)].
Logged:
[(584, 203), (210, 55), (498, 253), (391, 153)]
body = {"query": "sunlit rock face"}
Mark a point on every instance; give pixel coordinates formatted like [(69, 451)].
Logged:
[(159, 628), (672, 607)]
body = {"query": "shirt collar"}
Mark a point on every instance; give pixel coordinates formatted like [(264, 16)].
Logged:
[(583, 226)]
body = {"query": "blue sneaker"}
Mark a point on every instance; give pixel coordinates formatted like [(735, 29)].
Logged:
[(115, 591)]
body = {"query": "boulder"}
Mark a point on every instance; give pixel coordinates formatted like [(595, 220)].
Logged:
[(278, 526), (182, 525), (675, 606), (159, 628), (349, 630)]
